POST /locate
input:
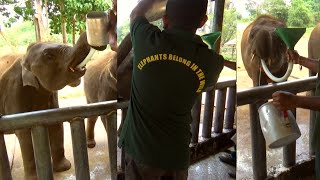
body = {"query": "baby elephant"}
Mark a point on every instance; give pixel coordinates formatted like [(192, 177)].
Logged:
[(100, 85), (30, 82)]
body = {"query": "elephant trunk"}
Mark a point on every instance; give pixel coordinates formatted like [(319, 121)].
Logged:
[(262, 45), (79, 52)]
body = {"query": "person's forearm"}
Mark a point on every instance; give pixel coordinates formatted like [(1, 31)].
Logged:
[(308, 102), (309, 63), (141, 9), (230, 64)]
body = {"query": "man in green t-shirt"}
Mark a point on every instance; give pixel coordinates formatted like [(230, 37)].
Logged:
[(285, 100), (170, 69)]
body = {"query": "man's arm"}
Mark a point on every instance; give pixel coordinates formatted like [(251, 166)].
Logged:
[(141, 9), (230, 64), (285, 100), (311, 64)]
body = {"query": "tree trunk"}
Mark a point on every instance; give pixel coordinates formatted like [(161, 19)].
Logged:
[(37, 29), (39, 20), (63, 22), (74, 30), (46, 14)]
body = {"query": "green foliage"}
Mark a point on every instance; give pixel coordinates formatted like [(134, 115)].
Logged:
[(229, 28), (26, 12), (300, 14), (19, 36), (9, 17), (315, 10), (253, 8), (122, 31), (276, 8), (73, 8), (80, 8)]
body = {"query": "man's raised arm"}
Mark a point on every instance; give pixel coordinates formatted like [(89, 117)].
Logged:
[(141, 9)]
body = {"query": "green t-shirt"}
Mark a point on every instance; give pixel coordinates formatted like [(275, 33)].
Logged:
[(170, 69), (316, 133)]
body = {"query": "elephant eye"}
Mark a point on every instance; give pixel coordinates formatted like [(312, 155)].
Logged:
[(48, 56)]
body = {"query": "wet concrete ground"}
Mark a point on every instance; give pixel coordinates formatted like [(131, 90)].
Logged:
[(208, 169)]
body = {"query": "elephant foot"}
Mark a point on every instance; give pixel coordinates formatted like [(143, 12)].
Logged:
[(61, 165), (91, 143)]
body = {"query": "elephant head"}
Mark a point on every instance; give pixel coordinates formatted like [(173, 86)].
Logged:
[(266, 45), (260, 44), (53, 66)]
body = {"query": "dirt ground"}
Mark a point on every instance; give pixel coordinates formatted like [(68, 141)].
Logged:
[(274, 156)]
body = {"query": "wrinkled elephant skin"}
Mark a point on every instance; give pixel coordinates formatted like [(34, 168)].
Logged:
[(259, 39), (100, 85), (314, 43), (30, 82)]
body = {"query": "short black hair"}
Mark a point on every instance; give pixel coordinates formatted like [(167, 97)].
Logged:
[(186, 14)]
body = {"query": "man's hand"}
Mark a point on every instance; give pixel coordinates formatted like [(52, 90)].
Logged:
[(141, 9), (294, 56), (284, 100)]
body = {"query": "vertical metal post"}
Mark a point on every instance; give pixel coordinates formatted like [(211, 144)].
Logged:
[(123, 116), (230, 107), (79, 147), (111, 123), (219, 111), (42, 154), (289, 151), (218, 20), (5, 171), (195, 113), (258, 143), (312, 120), (208, 114)]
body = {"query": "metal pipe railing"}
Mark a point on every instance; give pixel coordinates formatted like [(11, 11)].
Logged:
[(230, 107), (38, 120), (255, 97), (208, 114), (42, 154), (219, 111), (54, 116), (5, 171), (255, 94), (79, 146)]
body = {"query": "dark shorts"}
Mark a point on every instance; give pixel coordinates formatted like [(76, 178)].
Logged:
[(138, 171), (317, 163)]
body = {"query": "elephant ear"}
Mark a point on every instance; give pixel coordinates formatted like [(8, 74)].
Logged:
[(28, 78)]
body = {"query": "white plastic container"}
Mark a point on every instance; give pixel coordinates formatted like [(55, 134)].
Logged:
[(277, 129)]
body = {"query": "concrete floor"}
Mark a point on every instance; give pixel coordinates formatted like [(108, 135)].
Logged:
[(208, 169)]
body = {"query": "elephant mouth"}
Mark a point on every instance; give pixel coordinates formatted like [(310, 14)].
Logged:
[(82, 65)]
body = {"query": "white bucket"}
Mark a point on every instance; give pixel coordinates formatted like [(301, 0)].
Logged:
[(277, 130)]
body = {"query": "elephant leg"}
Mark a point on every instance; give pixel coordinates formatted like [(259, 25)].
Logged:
[(60, 163), (25, 140), (110, 123), (91, 121)]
